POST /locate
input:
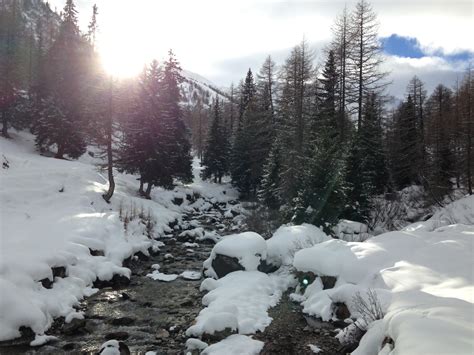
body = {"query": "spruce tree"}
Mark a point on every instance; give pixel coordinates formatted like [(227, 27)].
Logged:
[(406, 160), (367, 173), (68, 63), (176, 134), (216, 154), (321, 198)]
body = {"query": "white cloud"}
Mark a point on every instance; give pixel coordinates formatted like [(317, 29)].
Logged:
[(431, 70)]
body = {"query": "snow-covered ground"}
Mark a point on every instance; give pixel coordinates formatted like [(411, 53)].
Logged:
[(422, 277), (53, 215)]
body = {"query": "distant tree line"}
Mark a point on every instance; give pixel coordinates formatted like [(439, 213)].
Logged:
[(318, 144)]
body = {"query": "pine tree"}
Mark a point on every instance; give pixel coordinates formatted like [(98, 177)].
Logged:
[(177, 137), (68, 63), (10, 60), (92, 28), (406, 160), (216, 155), (247, 91), (295, 118), (321, 198), (142, 150), (367, 173)]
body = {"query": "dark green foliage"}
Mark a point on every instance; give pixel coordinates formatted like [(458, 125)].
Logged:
[(216, 154), (254, 134), (64, 125), (441, 158), (406, 162), (322, 196), (156, 144), (367, 172), (176, 135)]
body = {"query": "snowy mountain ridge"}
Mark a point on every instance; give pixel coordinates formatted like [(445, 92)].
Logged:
[(196, 89)]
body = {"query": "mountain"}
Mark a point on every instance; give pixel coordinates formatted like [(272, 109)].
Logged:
[(196, 88)]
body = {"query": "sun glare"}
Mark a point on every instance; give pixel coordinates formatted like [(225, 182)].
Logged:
[(120, 63)]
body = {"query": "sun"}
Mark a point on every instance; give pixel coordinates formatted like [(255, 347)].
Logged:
[(121, 63)]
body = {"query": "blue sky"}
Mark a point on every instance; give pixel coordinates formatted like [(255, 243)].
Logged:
[(411, 48)]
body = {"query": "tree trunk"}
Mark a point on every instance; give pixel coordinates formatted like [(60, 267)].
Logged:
[(148, 191), (469, 135), (60, 153), (5, 125), (140, 189), (107, 196)]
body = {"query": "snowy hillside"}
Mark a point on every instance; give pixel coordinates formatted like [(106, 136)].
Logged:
[(417, 283), (54, 222), (196, 88)]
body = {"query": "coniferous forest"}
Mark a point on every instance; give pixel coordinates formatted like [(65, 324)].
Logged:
[(314, 141)]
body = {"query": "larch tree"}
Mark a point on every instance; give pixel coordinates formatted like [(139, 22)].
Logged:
[(365, 56)]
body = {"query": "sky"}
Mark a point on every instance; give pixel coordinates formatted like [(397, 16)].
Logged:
[(221, 39)]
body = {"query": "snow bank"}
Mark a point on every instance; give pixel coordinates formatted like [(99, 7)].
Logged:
[(239, 301), (422, 277), (53, 215), (235, 345), (288, 239), (248, 247)]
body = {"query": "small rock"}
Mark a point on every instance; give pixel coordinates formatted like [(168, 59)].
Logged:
[(74, 326), (117, 335), (223, 265), (186, 303), (69, 346), (341, 310), (162, 333), (122, 321)]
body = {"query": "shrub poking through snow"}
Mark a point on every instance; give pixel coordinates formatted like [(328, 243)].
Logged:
[(369, 308)]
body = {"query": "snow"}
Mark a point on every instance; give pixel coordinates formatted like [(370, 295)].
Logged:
[(248, 247), (235, 345), (422, 277), (351, 231), (240, 301), (288, 239), (159, 276), (195, 344), (314, 348), (110, 347), (190, 245), (191, 275), (53, 215), (42, 339)]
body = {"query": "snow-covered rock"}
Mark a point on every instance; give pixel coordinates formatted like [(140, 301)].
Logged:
[(288, 239), (244, 251), (239, 302), (351, 231), (235, 345)]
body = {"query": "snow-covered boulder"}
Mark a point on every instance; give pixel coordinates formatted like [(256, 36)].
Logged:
[(244, 251), (351, 231), (288, 239), (420, 278)]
